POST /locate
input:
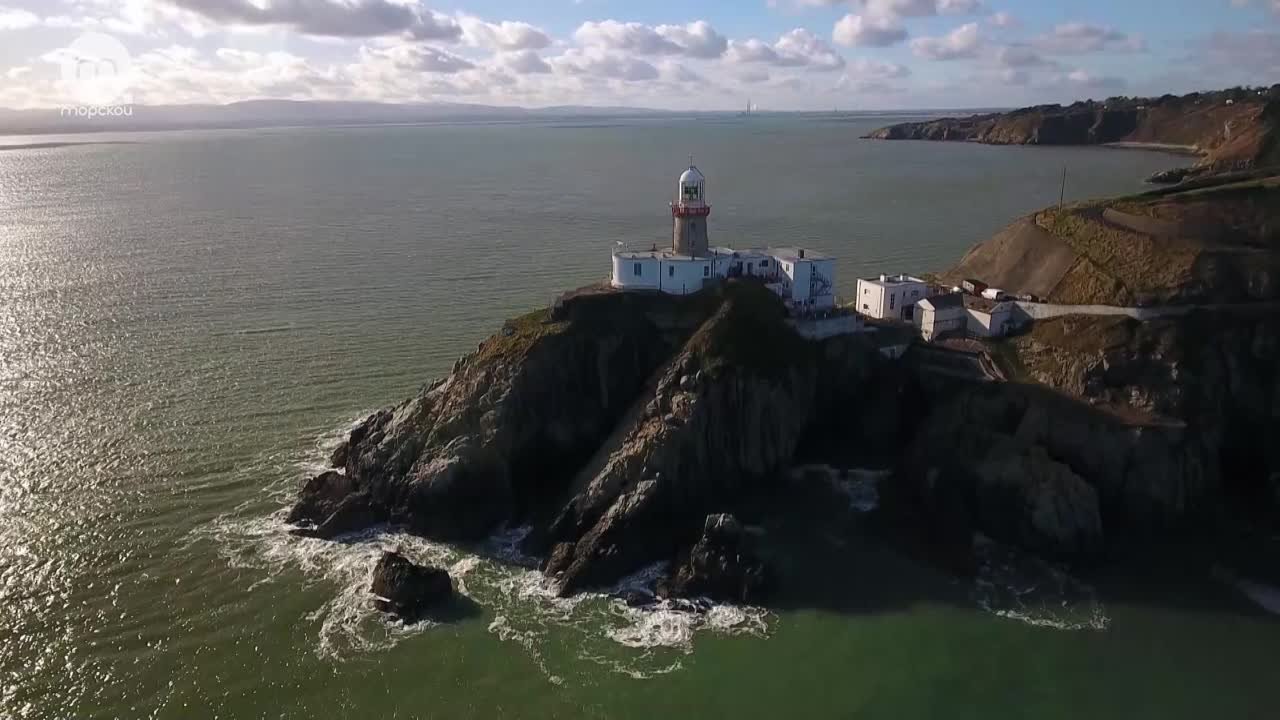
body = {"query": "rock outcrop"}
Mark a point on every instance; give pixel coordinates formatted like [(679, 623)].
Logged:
[(722, 565), (1033, 468), (407, 590), (615, 423), (514, 418)]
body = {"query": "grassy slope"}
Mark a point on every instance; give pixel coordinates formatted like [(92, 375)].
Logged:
[(1214, 240)]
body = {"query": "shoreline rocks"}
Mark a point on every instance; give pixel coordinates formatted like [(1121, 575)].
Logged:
[(722, 565), (407, 590)]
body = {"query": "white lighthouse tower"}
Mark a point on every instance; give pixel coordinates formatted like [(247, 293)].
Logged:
[(689, 213)]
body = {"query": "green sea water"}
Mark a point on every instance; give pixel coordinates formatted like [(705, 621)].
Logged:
[(189, 321)]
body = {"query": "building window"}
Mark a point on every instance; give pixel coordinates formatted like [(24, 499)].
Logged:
[(764, 263), (866, 306), (915, 293), (635, 270), (706, 271), (892, 298), (671, 271)]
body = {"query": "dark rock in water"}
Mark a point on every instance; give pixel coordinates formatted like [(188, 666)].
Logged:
[(637, 598), (330, 504), (407, 590), (720, 566), (339, 457), (559, 559)]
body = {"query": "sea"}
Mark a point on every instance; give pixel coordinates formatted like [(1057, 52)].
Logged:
[(190, 321)]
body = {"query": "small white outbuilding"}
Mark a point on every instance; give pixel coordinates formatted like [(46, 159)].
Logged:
[(941, 315)]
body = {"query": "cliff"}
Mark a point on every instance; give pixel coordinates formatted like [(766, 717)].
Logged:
[(614, 423), (1215, 240), (1231, 130)]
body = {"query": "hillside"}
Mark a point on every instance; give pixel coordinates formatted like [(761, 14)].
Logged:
[(1231, 130), (1207, 241)]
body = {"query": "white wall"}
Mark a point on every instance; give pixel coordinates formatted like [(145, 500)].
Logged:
[(933, 323), (993, 324), (624, 273), (888, 300), (677, 277), (681, 277)]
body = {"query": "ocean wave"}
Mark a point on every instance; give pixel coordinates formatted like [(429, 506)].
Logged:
[(523, 605), (1018, 586)]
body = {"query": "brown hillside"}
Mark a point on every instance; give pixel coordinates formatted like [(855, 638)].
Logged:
[(1212, 242)]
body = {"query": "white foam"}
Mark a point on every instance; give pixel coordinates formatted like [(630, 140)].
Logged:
[(526, 611), (1014, 585)]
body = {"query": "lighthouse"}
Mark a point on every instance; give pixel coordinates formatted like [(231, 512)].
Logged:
[(802, 278), (689, 213)]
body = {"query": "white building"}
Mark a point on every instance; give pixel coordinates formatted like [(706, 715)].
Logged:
[(890, 297), (803, 279), (988, 318), (941, 315)]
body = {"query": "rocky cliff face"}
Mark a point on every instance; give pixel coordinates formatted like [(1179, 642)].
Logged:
[(1233, 131), (635, 415), (502, 431), (1214, 373)]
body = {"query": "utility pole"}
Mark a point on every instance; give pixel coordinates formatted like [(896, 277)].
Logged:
[(1062, 191)]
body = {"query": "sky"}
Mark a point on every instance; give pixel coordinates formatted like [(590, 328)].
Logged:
[(669, 54)]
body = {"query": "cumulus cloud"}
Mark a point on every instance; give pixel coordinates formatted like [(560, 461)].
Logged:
[(1083, 79), (1021, 56), (336, 18), (796, 48), (504, 36), (697, 39), (894, 9), (868, 31), (17, 19), (961, 43), (523, 62), (1076, 38), (1254, 54), (416, 58), (1004, 20), (599, 63), (864, 75)]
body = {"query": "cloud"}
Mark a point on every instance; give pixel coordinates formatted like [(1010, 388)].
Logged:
[(415, 57), (962, 43), (864, 31), (864, 75), (795, 48), (1254, 54), (504, 36), (1077, 38), (896, 9), (1274, 5), (523, 62), (697, 39), (335, 18), (598, 63), (1004, 20), (17, 19), (1083, 79), (1021, 56)]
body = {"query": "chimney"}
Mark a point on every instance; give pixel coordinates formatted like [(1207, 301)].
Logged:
[(883, 277), (801, 253)]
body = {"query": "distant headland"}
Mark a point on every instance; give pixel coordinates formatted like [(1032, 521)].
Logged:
[(1235, 129)]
